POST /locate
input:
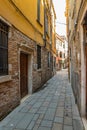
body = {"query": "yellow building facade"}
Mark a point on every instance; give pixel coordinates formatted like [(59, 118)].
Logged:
[(27, 49), (23, 16), (16, 12)]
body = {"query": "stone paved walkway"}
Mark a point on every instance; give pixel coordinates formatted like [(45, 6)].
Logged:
[(51, 108)]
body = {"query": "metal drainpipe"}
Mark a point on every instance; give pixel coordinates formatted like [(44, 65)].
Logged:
[(51, 23), (44, 25)]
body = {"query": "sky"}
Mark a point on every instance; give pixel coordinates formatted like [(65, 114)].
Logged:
[(59, 6)]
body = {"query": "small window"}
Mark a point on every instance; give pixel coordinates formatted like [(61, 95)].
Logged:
[(38, 57), (63, 45), (46, 23), (49, 59), (60, 54), (54, 61), (3, 48), (64, 55)]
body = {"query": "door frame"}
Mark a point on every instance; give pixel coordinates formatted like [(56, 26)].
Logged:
[(83, 67), (30, 63), (85, 46)]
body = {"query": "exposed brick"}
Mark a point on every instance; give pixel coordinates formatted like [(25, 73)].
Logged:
[(10, 91)]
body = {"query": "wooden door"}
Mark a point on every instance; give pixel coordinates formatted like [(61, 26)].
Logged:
[(23, 74)]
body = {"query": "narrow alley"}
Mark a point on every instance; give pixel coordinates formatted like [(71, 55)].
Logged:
[(51, 108)]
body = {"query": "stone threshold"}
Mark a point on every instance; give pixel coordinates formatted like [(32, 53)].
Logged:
[(23, 99), (84, 122)]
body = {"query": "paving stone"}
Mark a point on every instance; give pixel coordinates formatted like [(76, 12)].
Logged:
[(76, 117), (14, 121), (32, 102), (53, 105), (57, 126), (44, 128), (37, 105), (41, 100), (41, 112), (49, 117), (45, 104), (58, 120), (5, 121), (66, 127), (25, 109), (36, 116), (38, 121), (31, 125), (41, 116), (46, 123), (67, 120), (43, 108), (18, 129), (25, 121), (67, 114), (33, 110), (61, 104), (77, 125), (68, 110), (75, 110), (36, 127), (5, 128), (60, 112)]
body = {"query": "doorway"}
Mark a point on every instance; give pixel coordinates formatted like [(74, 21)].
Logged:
[(23, 74), (85, 43)]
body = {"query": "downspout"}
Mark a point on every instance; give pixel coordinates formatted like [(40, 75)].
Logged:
[(44, 38), (51, 24)]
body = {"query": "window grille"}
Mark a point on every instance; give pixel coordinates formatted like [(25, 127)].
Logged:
[(38, 57), (49, 59), (3, 48)]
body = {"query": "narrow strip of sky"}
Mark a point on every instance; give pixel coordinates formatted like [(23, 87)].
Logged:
[(59, 6)]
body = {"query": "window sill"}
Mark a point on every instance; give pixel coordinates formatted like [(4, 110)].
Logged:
[(5, 78), (39, 70)]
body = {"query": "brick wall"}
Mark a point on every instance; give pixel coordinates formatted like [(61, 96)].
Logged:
[(10, 91)]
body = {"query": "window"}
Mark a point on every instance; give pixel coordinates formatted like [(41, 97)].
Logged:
[(60, 54), (63, 45), (51, 34), (54, 61), (38, 57), (3, 48), (46, 23), (49, 59), (38, 10), (64, 55)]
